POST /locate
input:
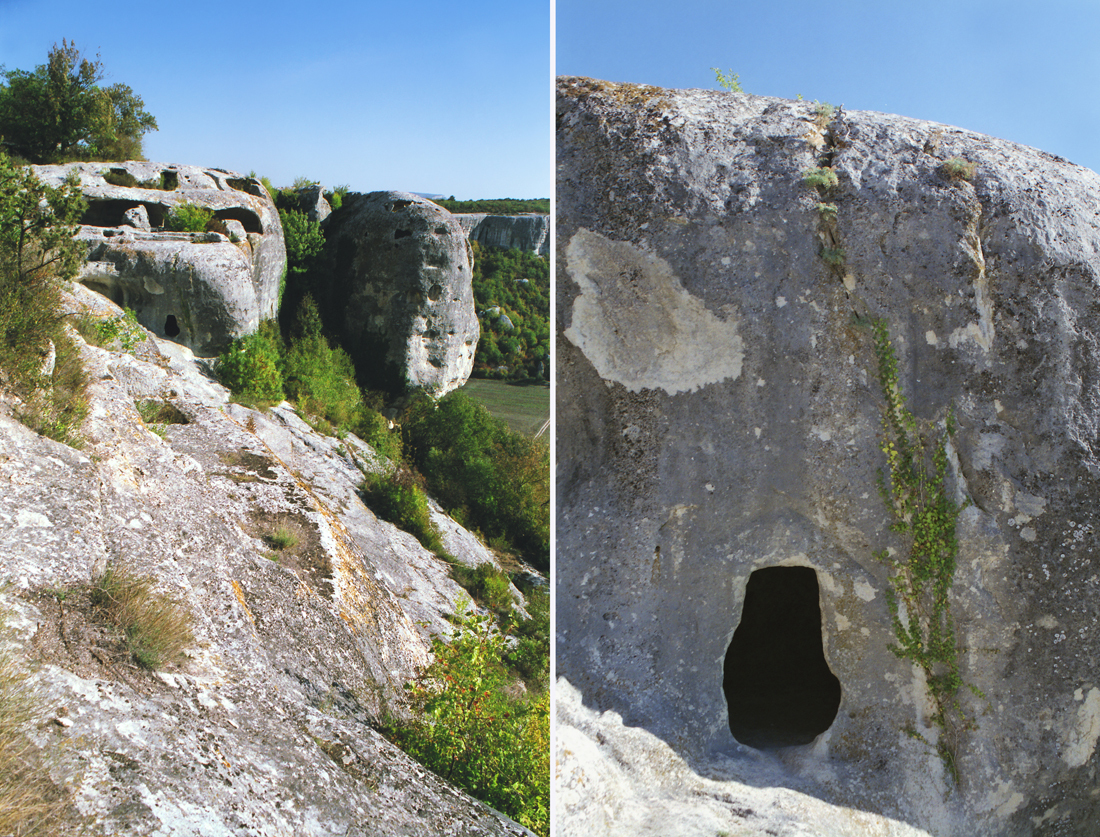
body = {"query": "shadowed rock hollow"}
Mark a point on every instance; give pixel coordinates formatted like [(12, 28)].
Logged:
[(719, 415)]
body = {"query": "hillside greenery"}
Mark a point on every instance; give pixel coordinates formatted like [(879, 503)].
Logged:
[(39, 362), (59, 112), (511, 288), (497, 206)]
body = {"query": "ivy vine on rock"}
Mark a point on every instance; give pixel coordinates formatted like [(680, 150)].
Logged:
[(924, 514)]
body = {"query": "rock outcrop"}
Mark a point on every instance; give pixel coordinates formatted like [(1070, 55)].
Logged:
[(523, 232), (198, 289), (719, 417), (266, 727), (399, 290)]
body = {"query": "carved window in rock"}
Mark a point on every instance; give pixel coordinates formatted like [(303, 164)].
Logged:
[(778, 685)]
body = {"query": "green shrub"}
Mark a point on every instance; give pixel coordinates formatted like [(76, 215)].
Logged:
[(468, 731), (827, 210), (120, 177), (122, 331), (820, 178), (398, 499), (957, 168), (337, 195), (304, 240), (156, 626), (188, 217), (530, 655), (269, 187), (487, 585), (252, 366), (374, 429)]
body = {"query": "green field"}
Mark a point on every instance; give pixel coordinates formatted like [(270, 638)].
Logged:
[(524, 408)]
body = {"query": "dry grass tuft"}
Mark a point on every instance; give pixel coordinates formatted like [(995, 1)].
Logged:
[(157, 626)]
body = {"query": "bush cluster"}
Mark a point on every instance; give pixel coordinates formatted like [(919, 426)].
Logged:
[(398, 498), (471, 732), (263, 368), (188, 217), (518, 283), (497, 206), (486, 475)]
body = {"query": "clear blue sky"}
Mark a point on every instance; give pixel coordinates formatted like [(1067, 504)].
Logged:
[(430, 96), (1023, 71)]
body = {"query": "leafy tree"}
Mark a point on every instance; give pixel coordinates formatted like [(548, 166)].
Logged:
[(59, 111), (37, 250)]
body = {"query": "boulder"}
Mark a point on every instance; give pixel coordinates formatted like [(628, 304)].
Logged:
[(724, 558), (267, 725), (522, 232), (312, 201), (399, 291), (198, 289)]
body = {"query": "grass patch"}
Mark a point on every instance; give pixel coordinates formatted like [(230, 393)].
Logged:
[(487, 585), (282, 538), (956, 168), (156, 626), (30, 803)]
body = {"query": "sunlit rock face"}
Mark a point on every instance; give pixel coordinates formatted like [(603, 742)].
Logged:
[(718, 414), (268, 722), (198, 289), (400, 291), (522, 232)]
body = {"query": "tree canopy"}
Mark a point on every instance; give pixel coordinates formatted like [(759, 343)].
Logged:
[(59, 111)]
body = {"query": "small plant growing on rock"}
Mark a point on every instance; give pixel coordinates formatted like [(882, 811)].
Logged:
[(827, 211), (914, 488), (820, 178), (956, 168), (728, 80), (833, 256), (123, 331)]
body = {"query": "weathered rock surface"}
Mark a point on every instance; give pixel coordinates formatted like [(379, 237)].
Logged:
[(266, 728), (313, 203), (718, 413), (523, 232), (620, 781), (400, 290), (198, 289)]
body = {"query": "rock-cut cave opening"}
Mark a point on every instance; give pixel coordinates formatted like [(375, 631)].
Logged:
[(778, 685)]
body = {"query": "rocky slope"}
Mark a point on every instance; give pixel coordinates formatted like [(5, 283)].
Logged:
[(198, 289), (719, 415), (266, 727)]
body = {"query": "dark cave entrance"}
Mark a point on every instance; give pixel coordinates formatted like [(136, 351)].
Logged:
[(171, 327), (778, 685)]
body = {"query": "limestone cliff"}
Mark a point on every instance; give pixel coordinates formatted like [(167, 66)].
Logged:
[(523, 232), (720, 257), (198, 289), (266, 727)]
